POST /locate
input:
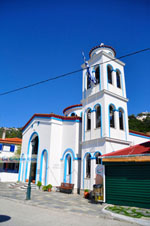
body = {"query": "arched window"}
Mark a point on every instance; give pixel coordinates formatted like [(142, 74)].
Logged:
[(88, 119), (112, 116), (73, 114), (109, 74), (118, 79), (98, 160), (88, 166), (69, 164), (97, 75), (121, 119), (98, 116)]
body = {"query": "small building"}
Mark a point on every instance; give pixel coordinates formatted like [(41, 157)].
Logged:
[(9, 164), (127, 176)]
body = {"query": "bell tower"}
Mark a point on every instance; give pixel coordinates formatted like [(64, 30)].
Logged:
[(105, 116)]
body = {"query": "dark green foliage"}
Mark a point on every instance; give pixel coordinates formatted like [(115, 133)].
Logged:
[(12, 132), (138, 125)]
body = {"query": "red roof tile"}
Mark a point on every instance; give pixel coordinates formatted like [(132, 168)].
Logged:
[(14, 140), (73, 118), (72, 106), (101, 46), (139, 149)]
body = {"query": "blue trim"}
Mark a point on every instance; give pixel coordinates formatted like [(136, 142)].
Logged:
[(81, 114), (1, 147), (109, 116), (138, 135), (88, 109), (96, 153), (65, 168), (31, 154), (72, 152), (41, 166), (59, 119), (12, 148), (101, 135), (84, 165)]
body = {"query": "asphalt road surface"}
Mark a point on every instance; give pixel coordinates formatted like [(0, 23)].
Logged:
[(15, 213)]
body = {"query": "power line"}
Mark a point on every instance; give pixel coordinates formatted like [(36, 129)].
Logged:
[(69, 73)]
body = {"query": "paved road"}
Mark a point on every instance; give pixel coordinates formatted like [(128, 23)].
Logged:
[(22, 214), (52, 208)]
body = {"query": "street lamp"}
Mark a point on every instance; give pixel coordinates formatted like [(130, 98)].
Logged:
[(28, 194)]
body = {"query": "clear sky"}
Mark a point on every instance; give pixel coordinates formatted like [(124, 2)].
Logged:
[(43, 39)]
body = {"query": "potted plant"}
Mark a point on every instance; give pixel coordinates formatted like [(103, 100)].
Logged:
[(39, 184), (44, 188), (49, 187), (86, 193)]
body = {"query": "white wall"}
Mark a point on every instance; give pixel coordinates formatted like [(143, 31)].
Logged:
[(8, 177), (56, 136), (138, 139)]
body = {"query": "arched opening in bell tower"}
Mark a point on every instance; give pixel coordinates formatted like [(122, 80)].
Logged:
[(118, 80), (109, 74), (112, 116), (97, 75), (88, 119)]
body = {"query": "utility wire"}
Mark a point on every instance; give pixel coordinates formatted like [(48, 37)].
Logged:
[(70, 73)]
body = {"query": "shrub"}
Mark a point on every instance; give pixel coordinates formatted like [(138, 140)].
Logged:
[(44, 188), (49, 186), (39, 184)]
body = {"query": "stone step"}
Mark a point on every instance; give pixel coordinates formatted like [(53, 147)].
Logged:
[(22, 186)]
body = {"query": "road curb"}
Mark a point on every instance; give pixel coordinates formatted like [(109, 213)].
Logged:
[(129, 219)]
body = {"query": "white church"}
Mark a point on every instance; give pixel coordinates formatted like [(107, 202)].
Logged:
[(68, 146)]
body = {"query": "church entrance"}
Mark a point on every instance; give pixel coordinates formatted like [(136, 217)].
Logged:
[(34, 142)]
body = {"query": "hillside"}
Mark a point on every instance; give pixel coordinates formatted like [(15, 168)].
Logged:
[(11, 132), (138, 125)]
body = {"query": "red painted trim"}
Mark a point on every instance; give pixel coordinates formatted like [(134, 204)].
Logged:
[(139, 133), (104, 46), (14, 140), (73, 118), (72, 106)]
